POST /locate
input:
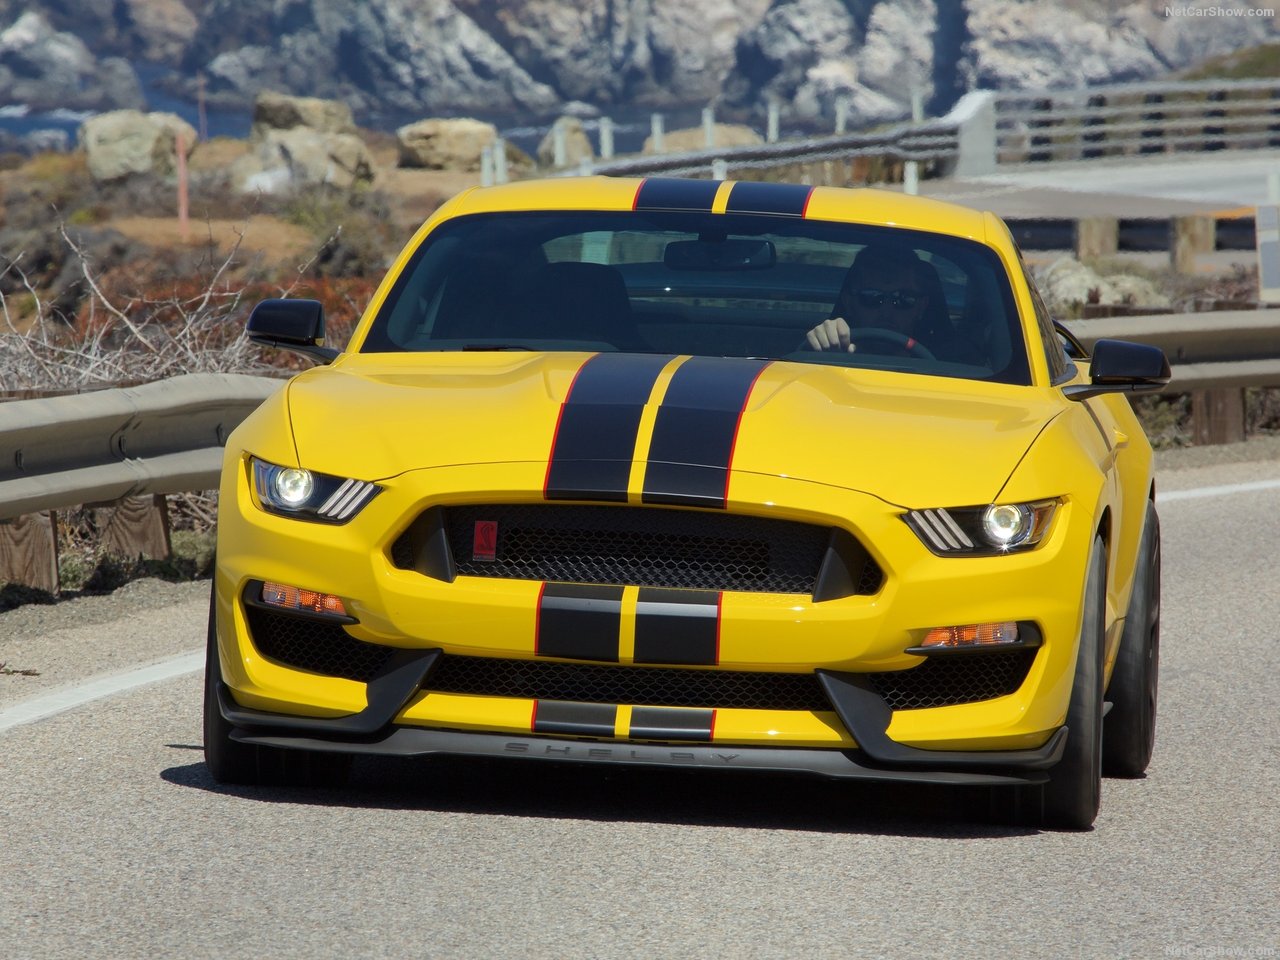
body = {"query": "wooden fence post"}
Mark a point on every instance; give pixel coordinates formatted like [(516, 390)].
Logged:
[(1192, 235), (135, 526), (1217, 416), (1097, 237), (29, 551)]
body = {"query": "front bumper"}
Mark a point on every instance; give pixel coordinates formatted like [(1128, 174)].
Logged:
[(474, 617), (862, 711)]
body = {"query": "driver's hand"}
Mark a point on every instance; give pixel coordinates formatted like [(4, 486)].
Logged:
[(831, 334)]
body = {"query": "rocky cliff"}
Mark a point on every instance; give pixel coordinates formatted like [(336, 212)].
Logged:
[(532, 57)]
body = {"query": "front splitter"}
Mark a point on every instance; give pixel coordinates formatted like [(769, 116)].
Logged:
[(830, 764)]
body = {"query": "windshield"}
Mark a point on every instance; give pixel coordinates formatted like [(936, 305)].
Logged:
[(708, 285)]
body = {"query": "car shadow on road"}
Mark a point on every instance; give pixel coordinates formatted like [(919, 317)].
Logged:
[(562, 791)]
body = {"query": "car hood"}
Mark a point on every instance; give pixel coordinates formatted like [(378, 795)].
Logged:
[(910, 440)]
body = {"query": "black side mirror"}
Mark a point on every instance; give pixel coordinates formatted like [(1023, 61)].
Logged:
[(296, 325), (1119, 366)]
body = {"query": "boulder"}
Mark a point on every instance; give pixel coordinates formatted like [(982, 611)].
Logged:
[(126, 143), (444, 144), (283, 161), (695, 138), (1066, 283), (577, 146), (280, 111)]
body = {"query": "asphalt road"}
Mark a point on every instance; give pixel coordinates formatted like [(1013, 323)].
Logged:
[(115, 843)]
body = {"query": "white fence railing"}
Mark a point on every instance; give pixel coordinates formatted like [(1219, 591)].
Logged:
[(986, 129)]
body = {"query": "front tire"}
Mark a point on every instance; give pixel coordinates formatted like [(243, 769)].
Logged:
[(1072, 797), (1130, 727), (232, 762)]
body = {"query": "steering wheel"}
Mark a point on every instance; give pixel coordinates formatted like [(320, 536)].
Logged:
[(912, 346)]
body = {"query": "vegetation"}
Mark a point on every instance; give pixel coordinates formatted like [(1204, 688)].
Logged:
[(1255, 62)]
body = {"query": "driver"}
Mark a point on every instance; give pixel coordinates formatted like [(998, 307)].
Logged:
[(883, 289)]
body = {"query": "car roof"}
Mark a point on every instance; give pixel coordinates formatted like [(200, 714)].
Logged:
[(840, 204)]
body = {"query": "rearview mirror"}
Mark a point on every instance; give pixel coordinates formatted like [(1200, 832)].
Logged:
[(296, 325), (1119, 366), (729, 254)]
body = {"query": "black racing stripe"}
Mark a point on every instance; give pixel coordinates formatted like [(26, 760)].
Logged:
[(595, 439), (786, 199), (663, 193), (574, 719), (579, 621), (677, 626), (671, 723), (695, 430)]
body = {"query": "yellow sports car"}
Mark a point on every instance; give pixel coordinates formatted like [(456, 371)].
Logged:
[(696, 473)]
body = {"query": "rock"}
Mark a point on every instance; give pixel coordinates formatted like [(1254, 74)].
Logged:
[(1041, 43), (46, 69), (1067, 282), (810, 54), (126, 143), (576, 143), (160, 30), (621, 51), (284, 161), (1182, 41), (280, 111), (444, 144), (392, 55), (695, 138)]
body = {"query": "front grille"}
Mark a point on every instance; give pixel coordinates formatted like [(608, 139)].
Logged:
[(644, 686), (314, 645), (643, 546), (945, 681)]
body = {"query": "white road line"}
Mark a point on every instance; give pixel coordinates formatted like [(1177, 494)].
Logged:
[(107, 685), (38, 708), (1199, 493)]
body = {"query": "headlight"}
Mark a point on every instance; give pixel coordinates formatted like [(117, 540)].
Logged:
[(301, 493), (982, 531)]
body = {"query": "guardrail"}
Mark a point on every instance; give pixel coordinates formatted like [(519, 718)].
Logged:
[(1137, 119), (1227, 349), (986, 129), (167, 437), (927, 141), (163, 437)]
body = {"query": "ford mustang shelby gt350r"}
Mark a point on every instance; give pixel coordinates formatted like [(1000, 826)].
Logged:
[(703, 474)]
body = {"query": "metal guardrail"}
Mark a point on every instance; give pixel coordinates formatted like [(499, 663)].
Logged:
[(1124, 120), (985, 129), (163, 437), (1208, 351), (932, 140), (167, 437)]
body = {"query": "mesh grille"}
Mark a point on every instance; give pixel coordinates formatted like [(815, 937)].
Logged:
[(313, 645), (946, 681), (644, 686), (644, 547)]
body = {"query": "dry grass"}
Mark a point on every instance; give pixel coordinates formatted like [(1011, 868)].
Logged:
[(277, 241)]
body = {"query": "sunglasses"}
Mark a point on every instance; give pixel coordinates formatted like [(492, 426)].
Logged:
[(898, 299)]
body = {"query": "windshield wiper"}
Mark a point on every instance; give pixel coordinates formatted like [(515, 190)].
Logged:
[(495, 346)]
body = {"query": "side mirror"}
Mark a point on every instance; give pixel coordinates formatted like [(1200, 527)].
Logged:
[(296, 325), (1122, 367)]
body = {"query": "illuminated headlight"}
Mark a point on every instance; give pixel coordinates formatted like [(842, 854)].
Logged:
[(982, 531), (296, 492)]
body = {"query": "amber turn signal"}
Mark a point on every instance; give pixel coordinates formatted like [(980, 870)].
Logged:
[(973, 634), (309, 601)]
